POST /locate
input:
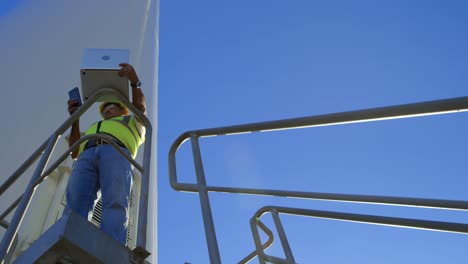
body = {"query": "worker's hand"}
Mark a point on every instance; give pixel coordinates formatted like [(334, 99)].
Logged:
[(129, 72), (72, 106)]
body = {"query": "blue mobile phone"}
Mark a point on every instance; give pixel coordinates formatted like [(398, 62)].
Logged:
[(75, 95)]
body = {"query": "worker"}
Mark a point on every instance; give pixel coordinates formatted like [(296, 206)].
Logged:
[(99, 166)]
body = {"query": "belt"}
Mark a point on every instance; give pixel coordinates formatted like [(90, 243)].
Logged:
[(96, 142)]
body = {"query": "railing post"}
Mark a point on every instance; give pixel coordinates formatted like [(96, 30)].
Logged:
[(19, 213), (205, 203), (256, 237), (282, 236), (140, 248)]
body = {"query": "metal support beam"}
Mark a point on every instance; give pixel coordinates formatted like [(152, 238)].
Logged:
[(257, 240), (282, 237), (19, 213), (210, 232)]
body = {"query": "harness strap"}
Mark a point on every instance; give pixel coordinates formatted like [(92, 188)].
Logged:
[(125, 121), (98, 127)]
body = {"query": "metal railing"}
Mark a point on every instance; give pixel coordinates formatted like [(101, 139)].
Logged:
[(357, 218), (45, 151), (391, 112)]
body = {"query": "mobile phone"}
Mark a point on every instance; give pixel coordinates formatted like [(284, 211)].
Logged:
[(75, 95)]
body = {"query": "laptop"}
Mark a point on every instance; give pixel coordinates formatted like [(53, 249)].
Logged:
[(99, 68)]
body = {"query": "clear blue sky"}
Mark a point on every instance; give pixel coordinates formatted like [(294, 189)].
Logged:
[(232, 62)]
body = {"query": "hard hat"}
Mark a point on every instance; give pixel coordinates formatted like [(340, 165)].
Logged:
[(121, 105)]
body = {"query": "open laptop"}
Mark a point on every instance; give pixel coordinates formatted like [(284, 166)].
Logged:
[(99, 68)]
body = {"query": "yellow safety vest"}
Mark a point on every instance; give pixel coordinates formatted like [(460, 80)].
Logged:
[(123, 128)]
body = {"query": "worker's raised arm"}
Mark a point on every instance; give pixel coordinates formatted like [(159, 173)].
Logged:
[(75, 129), (138, 98)]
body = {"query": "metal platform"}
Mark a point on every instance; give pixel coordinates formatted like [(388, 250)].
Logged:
[(75, 240)]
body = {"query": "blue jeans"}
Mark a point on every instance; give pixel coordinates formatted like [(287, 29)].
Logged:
[(102, 167)]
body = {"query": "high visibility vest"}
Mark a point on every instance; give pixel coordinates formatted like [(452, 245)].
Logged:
[(122, 128)]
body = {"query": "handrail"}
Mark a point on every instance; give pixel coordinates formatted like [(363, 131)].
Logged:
[(458, 104), (391, 112), (140, 252), (357, 218), (23, 167), (373, 114)]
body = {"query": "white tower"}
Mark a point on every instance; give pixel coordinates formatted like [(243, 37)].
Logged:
[(42, 48)]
